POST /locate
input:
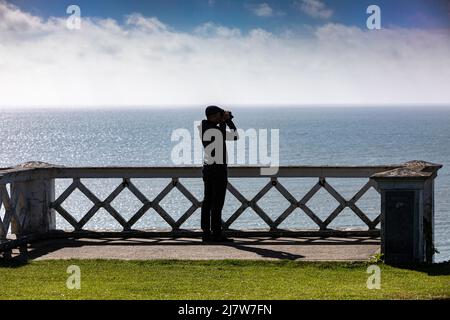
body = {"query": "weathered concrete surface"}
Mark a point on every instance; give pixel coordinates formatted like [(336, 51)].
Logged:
[(307, 249), (32, 200)]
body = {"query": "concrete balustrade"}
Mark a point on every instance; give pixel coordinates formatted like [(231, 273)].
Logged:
[(407, 203)]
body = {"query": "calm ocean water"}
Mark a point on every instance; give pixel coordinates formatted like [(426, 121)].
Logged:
[(331, 136)]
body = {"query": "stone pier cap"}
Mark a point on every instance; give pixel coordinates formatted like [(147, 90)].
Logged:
[(414, 170), (26, 171)]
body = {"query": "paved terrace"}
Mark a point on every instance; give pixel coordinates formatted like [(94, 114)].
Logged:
[(300, 249)]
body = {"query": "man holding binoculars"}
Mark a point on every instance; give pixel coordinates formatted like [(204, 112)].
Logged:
[(215, 173)]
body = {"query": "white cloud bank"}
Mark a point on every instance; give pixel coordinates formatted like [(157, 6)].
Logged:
[(145, 62)]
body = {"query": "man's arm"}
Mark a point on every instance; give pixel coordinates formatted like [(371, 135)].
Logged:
[(231, 135)]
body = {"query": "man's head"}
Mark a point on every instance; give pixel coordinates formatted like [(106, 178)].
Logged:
[(214, 114)]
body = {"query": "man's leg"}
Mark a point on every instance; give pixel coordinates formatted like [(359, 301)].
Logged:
[(219, 192), (206, 207)]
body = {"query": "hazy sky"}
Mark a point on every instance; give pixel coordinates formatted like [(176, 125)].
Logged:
[(179, 52)]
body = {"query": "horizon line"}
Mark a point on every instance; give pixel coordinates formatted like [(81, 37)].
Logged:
[(239, 106)]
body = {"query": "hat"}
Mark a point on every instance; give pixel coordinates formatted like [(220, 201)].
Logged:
[(213, 110)]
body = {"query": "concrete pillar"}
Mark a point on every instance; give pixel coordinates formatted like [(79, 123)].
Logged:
[(31, 200), (407, 212)]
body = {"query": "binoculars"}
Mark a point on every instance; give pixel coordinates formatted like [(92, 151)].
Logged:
[(229, 112)]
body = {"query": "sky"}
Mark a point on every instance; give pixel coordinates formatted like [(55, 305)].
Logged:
[(246, 53)]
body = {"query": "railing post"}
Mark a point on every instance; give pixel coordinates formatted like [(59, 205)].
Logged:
[(31, 201), (407, 212)]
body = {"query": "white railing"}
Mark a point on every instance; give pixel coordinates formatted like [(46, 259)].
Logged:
[(78, 175)]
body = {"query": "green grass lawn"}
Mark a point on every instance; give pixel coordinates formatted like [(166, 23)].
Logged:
[(102, 279)]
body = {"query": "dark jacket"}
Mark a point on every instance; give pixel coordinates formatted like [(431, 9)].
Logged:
[(226, 135)]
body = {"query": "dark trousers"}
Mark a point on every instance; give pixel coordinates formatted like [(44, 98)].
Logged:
[(215, 180)]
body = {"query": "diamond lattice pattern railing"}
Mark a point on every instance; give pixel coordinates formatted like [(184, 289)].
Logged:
[(127, 224)]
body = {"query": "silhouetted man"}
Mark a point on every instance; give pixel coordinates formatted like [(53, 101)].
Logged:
[(215, 176)]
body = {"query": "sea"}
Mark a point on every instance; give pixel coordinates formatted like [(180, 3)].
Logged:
[(305, 135)]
